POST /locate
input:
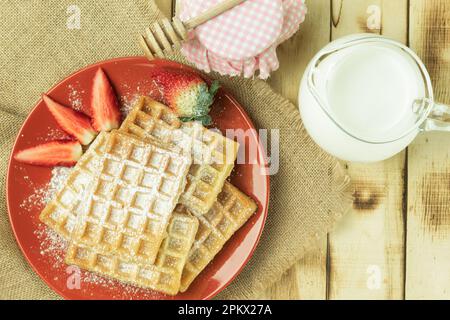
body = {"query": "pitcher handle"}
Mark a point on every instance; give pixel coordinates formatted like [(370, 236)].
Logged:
[(438, 119)]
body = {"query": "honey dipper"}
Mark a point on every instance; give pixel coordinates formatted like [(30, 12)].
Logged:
[(163, 36)]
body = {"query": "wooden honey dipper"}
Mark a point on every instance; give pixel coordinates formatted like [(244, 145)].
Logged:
[(164, 35)]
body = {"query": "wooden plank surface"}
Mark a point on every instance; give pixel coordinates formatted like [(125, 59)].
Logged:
[(366, 251), (428, 221), (307, 279), (396, 241)]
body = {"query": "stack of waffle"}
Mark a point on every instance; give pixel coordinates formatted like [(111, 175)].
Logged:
[(149, 204)]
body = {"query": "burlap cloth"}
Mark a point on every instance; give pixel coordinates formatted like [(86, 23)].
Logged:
[(37, 50)]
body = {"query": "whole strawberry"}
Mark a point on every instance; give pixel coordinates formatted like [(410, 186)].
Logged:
[(186, 93)]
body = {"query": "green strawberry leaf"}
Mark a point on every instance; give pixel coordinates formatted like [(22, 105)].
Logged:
[(206, 120), (187, 119), (205, 99), (215, 86), (204, 102)]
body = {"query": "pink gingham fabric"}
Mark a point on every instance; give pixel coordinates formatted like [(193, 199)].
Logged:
[(241, 33), (243, 40)]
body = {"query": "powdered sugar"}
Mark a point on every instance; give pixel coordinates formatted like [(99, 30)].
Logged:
[(59, 177), (44, 194), (36, 199), (127, 291), (128, 98), (127, 103), (75, 96), (52, 247), (131, 95), (53, 134)]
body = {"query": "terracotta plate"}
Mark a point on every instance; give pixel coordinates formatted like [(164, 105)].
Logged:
[(28, 187)]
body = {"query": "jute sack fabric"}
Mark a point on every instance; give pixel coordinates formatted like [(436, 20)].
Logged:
[(39, 46)]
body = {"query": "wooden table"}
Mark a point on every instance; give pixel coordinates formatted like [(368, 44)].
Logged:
[(395, 242)]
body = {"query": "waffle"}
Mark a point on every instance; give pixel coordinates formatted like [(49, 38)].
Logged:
[(229, 213), (60, 214), (152, 120), (129, 204), (212, 153), (163, 276)]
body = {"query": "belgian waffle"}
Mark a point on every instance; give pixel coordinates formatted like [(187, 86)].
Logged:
[(163, 276), (213, 154), (229, 213), (152, 120), (60, 214), (130, 202)]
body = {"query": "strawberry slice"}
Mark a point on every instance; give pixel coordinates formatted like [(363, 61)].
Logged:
[(105, 107), (73, 122), (55, 153)]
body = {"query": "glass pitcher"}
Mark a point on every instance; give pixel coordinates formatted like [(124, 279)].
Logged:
[(364, 98)]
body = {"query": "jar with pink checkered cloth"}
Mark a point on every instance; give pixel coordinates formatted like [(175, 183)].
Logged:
[(243, 40)]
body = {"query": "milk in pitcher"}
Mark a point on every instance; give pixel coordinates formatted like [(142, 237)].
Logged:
[(370, 90)]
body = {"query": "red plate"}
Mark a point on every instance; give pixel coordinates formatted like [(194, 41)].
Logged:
[(27, 185)]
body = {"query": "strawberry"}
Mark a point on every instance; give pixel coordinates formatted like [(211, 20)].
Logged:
[(55, 153), (105, 107), (186, 93), (73, 122)]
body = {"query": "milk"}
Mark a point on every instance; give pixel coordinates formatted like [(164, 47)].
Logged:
[(368, 92), (371, 90)]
